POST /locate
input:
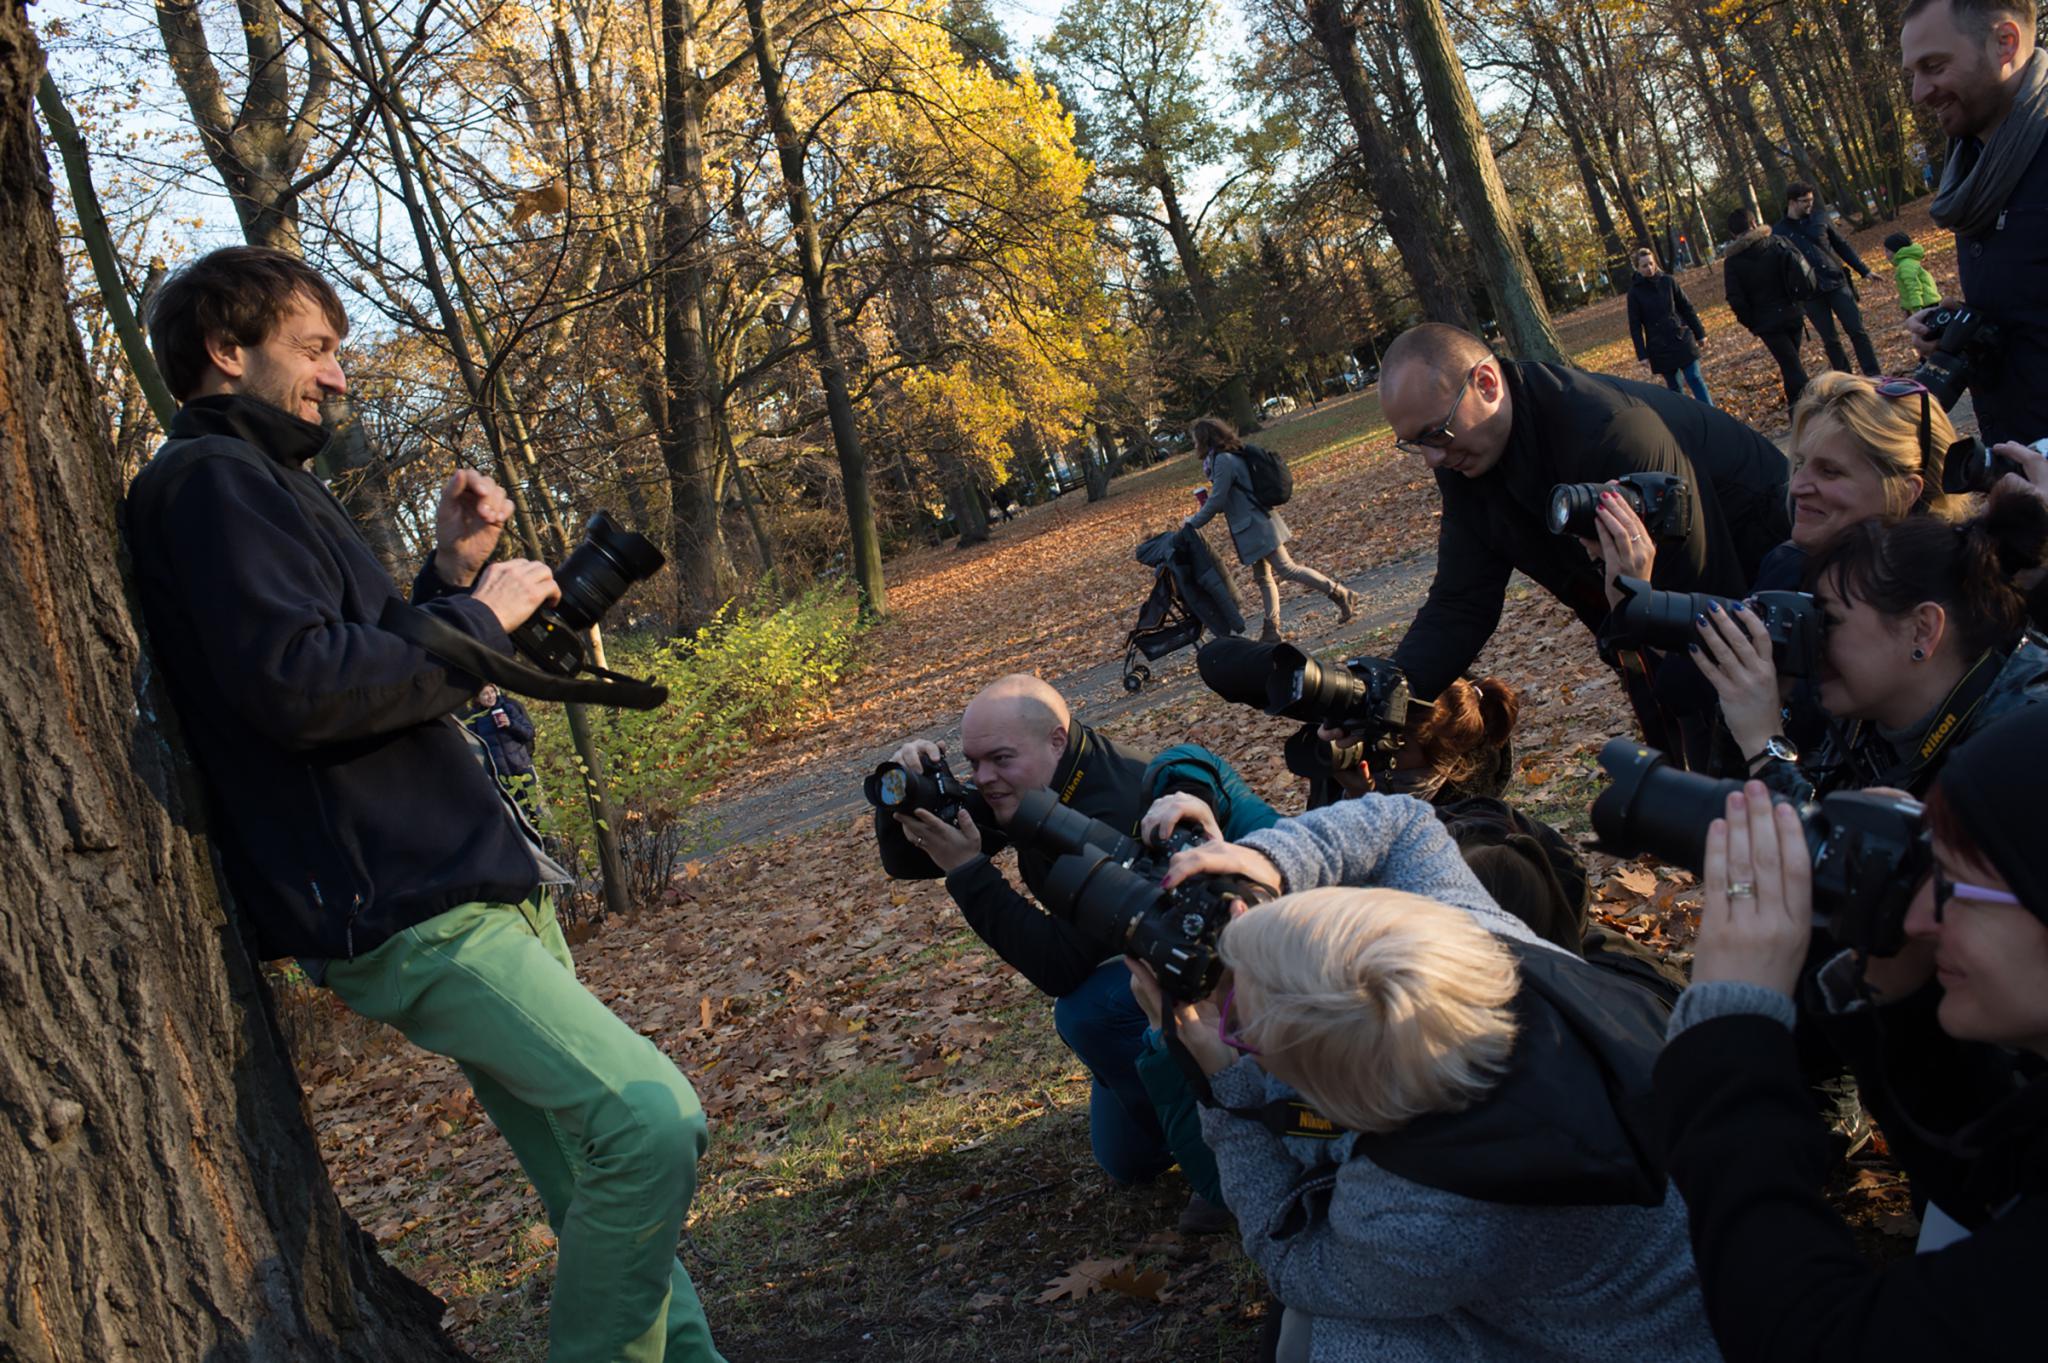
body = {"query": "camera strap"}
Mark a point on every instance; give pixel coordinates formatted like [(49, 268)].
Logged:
[(1951, 722), (459, 650), (1281, 1116)]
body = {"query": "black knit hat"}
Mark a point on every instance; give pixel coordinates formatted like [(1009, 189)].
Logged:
[(1992, 784), (1897, 241)]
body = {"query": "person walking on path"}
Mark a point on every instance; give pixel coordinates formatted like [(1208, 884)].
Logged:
[(1831, 257), (1664, 327), (1767, 278), (1258, 533)]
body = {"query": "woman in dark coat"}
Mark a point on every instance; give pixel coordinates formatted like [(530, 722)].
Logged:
[(1258, 533), (1664, 327)]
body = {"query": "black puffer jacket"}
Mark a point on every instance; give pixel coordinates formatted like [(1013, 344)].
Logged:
[(1766, 277), (1825, 249), (350, 802), (1574, 427)]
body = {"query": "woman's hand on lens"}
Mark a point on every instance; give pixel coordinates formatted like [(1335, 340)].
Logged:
[(1626, 549), (1758, 919), (2032, 478), (1222, 858), (1734, 653), (1168, 811)]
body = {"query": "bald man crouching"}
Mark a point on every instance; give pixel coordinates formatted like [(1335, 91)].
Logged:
[(1019, 736)]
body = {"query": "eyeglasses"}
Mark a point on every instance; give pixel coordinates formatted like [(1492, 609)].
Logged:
[(1441, 434), (1223, 1032), (1946, 890), (1905, 388)]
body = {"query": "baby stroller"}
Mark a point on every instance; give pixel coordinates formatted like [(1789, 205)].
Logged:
[(1190, 593)]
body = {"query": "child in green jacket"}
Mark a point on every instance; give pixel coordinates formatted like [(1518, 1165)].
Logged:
[(1916, 286)]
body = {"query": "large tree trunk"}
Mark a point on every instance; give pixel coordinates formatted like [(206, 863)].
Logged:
[(1476, 184), (161, 1196), (1401, 209), (689, 431), (863, 541), (1237, 388)]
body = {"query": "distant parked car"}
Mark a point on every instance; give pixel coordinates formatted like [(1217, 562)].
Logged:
[(1168, 441), (1279, 405)]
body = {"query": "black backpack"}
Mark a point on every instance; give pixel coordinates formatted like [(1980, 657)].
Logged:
[(1800, 281), (1272, 484)]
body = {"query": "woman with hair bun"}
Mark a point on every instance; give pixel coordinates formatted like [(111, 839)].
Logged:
[(1257, 532), (1926, 642)]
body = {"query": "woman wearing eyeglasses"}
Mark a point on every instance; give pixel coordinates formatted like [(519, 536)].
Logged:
[(1257, 531), (1781, 1271), (1413, 1109)]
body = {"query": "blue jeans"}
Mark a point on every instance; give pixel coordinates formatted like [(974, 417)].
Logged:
[(1693, 379), (1103, 1025)]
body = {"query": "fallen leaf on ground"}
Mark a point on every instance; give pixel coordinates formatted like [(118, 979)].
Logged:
[(1082, 1280)]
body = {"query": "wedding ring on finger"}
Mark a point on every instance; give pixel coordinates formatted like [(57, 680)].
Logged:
[(1742, 889)]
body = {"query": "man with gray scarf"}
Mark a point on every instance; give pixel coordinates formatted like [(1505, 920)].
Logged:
[(1974, 66)]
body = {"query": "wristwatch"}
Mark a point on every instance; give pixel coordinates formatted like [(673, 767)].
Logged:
[(1777, 748)]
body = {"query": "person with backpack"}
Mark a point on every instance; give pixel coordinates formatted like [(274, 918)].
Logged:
[(1664, 327), (1812, 230), (1246, 484), (1768, 282)]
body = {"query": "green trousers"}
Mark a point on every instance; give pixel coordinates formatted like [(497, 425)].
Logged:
[(605, 1126)]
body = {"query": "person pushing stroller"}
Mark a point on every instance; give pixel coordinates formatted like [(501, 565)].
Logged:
[(1257, 531)]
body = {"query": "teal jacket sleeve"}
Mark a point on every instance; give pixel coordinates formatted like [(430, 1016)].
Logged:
[(1194, 770)]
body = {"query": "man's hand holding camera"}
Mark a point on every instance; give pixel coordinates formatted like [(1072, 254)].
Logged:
[(950, 846)]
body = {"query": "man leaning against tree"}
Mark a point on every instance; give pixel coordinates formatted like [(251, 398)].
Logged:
[(358, 831)]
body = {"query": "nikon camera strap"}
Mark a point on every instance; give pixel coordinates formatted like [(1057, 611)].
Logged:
[(1281, 1116), (459, 650), (1951, 722)]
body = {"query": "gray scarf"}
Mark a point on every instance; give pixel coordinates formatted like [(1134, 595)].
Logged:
[(1980, 177)]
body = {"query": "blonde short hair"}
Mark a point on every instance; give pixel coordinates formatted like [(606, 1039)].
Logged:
[(1888, 432), (1385, 1005)]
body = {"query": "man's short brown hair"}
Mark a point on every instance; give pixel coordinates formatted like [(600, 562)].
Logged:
[(1976, 16), (237, 293)]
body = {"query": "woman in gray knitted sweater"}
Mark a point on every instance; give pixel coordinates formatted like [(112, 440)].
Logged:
[(1386, 1006)]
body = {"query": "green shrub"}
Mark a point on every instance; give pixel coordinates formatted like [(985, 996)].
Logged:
[(756, 671)]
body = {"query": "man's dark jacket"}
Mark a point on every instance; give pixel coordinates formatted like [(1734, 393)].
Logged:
[(2004, 273), (1662, 323), (1825, 249), (349, 802), (1096, 778), (1765, 277), (1574, 427)]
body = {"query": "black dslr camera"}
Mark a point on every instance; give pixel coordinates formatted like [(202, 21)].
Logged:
[(1870, 852), (1662, 501), (593, 578), (1107, 885), (896, 789), (1648, 618), (1966, 348), (1972, 466)]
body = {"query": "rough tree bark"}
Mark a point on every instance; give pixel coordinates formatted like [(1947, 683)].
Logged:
[(689, 434), (161, 1196), (1393, 189), (864, 541), (1476, 184)]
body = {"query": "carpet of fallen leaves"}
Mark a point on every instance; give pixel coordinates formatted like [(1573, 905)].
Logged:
[(899, 1167)]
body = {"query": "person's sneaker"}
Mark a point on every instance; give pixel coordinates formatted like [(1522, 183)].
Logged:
[(1203, 1217)]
